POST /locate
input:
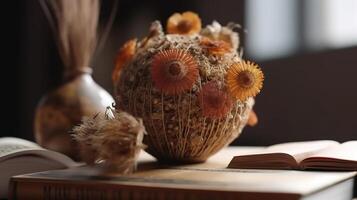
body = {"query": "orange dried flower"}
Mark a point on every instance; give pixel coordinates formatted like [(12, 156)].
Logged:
[(174, 71), (187, 23), (252, 119), (215, 103), (215, 47), (124, 55), (244, 79)]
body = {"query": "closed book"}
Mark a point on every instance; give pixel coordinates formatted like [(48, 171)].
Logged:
[(210, 180)]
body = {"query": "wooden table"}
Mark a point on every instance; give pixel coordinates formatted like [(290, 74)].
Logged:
[(209, 180)]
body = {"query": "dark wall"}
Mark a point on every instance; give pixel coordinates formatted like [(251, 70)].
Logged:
[(307, 97)]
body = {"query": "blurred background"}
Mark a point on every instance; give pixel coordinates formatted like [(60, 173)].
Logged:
[(306, 48)]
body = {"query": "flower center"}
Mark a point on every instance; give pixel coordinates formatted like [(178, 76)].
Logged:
[(246, 79), (216, 100), (176, 70), (184, 26)]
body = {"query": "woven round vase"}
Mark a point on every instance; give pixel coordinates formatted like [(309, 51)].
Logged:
[(177, 84)]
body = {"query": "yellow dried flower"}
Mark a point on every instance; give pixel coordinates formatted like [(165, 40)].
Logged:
[(187, 23), (244, 79)]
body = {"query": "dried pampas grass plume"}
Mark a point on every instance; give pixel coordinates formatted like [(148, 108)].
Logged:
[(115, 139), (75, 25)]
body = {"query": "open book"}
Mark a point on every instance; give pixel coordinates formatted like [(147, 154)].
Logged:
[(322, 155), (18, 156)]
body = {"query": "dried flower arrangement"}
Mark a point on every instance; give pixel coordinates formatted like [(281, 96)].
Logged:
[(191, 87), (114, 139)]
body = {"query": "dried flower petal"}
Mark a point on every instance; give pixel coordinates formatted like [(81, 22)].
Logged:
[(124, 55), (244, 79), (174, 71), (215, 103), (252, 119), (154, 31), (216, 31), (215, 47), (187, 23)]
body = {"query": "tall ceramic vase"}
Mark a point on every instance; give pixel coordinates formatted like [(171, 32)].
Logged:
[(61, 109), (75, 29)]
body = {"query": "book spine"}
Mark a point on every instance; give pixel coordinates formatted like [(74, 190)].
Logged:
[(23, 189), (29, 190), (58, 191)]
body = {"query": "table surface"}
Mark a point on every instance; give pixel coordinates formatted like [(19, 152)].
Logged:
[(215, 170), (219, 160), (210, 175)]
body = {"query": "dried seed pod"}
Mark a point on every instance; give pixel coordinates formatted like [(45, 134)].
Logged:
[(115, 139), (83, 135)]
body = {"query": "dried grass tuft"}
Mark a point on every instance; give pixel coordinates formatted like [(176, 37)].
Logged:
[(115, 139)]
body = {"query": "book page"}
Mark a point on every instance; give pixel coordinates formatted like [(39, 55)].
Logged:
[(301, 150), (9, 145), (281, 156), (345, 151), (15, 147)]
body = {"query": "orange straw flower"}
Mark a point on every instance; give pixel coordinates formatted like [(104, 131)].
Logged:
[(124, 55), (215, 47), (174, 71), (215, 103), (187, 23), (244, 79)]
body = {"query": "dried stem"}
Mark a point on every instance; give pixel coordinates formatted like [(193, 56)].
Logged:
[(74, 24)]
